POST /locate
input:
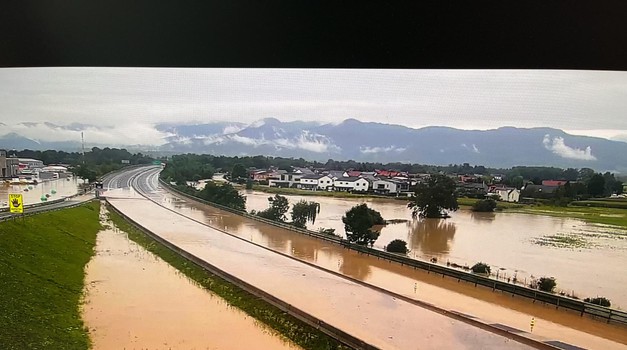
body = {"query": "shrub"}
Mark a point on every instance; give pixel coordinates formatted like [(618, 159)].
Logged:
[(481, 268), (599, 301), (547, 284), (484, 205), (397, 246)]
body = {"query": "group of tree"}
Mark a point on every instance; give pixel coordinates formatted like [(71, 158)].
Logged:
[(188, 167), (223, 194), (94, 163), (302, 211), (433, 197), (484, 205), (359, 222)]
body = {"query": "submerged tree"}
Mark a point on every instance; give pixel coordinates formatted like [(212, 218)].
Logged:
[(278, 208), (303, 212), (433, 197), (358, 222)]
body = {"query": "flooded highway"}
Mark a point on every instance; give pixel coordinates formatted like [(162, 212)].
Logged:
[(443, 292), (32, 193), (135, 300), (521, 245), (373, 316)]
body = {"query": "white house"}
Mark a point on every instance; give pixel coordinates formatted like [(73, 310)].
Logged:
[(286, 180), (384, 186), (351, 184), (508, 194), (315, 182)]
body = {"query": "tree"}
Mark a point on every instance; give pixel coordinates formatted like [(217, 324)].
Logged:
[(433, 197), (547, 284), (596, 185), (239, 172), (397, 246), (223, 194), (279, 205), (484, 205), (304, 211), (480, 268), (358, 222)]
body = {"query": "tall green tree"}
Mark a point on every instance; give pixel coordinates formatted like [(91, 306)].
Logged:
[(596, 185), (433, 197), (358, 223), (279, 206), (239, 172), (223, 194), (303, 212)]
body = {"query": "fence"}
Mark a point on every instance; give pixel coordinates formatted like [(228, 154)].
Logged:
[(606, 314)]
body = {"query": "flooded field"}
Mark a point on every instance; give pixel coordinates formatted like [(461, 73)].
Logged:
[(521, 245), (32, 193), (135, 300)]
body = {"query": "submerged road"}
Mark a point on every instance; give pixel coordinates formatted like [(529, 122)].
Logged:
[(371, 315)]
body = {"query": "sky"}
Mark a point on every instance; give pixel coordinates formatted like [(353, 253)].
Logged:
[(125, 103)]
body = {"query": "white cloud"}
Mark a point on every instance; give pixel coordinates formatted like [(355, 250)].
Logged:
[(392, 148), (557, 146), (473, 148), (127, 134), (231, 129)]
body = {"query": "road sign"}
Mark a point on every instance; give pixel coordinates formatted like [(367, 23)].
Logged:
[(16, 203)]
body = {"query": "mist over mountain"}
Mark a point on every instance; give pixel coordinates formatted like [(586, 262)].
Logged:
[(364, 141)]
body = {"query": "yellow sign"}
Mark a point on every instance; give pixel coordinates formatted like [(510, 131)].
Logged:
[(16, 203)]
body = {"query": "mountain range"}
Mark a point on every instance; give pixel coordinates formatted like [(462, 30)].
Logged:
[(376, 142)]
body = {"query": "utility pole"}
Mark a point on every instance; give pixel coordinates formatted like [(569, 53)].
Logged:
[(83, 146)]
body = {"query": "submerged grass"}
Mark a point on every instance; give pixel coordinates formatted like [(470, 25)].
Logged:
[(42, 261), (297, 331), (607, 216), (561, 241)]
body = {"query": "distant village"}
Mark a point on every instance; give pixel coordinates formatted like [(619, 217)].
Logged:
[(16, 170)]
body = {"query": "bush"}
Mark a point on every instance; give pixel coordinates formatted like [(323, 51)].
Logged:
[(397, 246), (547, 284), (481, 268), (484, 205), (599, 301)]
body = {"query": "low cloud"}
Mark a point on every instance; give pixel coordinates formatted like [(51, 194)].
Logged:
[(392, 148), (557, 146), (473, 148), (126, 134)]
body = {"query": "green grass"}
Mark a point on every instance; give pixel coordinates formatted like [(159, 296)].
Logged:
[(606, 203), (608, 216), (300, 333), (42, 261), (469, 202)]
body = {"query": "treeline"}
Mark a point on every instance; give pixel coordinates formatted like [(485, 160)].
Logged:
[(187, 167), (94, 163)]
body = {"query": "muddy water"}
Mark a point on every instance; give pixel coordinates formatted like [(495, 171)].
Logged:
[(62, 187), (135, 300), (520, 245), (335, 300), (442, 292)]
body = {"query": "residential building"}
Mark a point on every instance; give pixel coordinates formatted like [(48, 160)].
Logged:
[(286, 180), (316, 182), (351, 184), (384, 186), (554, 183), (506, 194)]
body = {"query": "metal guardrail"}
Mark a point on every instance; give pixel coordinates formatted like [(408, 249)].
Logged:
[(327, 329), (606, 314)]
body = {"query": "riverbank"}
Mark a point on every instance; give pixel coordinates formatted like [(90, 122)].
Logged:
[(42, 272), (300, 333)]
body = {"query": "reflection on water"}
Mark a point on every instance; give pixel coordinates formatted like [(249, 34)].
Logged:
[(355, 269), (482, 218), (432, 236)]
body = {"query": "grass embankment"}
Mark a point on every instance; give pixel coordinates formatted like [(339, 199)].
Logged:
[(595, 211), (42, 261), (300, 333)]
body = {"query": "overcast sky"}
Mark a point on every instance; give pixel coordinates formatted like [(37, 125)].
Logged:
[(130, 100)]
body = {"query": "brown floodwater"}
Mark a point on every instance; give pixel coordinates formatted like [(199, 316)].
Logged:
[(587, 259), (135, 300), (62, 187), (493, 307), (368, 314)]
